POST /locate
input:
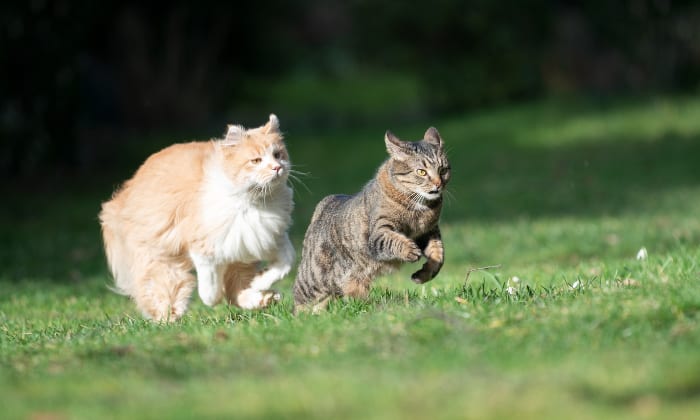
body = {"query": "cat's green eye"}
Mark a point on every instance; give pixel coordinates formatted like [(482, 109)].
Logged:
[(421, 172), (255, 161)]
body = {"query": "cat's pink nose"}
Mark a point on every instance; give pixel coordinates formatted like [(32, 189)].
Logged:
[(277, 169)]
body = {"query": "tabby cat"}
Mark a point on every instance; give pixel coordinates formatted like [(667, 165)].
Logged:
[(221, 207), (394, 219)]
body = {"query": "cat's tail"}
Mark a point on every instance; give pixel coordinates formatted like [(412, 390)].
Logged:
[(118, 256)]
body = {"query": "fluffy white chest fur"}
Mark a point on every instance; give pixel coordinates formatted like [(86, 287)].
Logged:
[(242, 227)]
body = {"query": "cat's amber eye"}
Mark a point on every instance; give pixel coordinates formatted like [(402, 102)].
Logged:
[(421, 172), (255, 161)]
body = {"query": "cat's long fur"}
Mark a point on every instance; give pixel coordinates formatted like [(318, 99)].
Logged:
[(212, 206), (394, 219)]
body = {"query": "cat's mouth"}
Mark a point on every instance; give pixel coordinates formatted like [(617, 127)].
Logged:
[(432, 194), (278, 176), (272, 179)]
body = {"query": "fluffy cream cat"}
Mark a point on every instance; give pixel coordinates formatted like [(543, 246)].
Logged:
[(221, 207)]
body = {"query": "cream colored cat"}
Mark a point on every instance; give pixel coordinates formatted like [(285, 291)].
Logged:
[(221, 207)]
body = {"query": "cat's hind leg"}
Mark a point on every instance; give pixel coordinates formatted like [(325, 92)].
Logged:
[(258, 293), (253, 298), (162, 290), (358, 289), (313, 296), (314, 308), (237, 287)]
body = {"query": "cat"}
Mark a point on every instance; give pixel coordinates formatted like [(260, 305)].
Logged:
[(393, 219), (222, 207)]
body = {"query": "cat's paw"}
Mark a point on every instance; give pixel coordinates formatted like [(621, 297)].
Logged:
[(269, 297), (422, 276), (411, 252), (313, 308), (257, 299)]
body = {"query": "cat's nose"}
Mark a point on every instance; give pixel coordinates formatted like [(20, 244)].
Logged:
[(277, 169)]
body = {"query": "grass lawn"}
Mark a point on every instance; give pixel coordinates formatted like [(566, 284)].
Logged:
[(561, 196)]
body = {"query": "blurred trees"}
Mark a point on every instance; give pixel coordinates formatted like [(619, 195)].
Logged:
[(76, 74)]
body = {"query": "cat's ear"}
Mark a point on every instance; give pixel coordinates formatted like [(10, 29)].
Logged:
[(234, 134), (397, 148), (273, 125), (433, 137)]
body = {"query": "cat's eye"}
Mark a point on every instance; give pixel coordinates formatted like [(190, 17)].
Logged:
[(443, 171), (255, 161), (277, 155), (421, 172)]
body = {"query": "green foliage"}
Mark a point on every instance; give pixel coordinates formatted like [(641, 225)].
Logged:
[(560, 196), (370, 96), (77, 77)]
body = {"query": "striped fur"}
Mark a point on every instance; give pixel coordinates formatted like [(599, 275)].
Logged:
[(394, 219)]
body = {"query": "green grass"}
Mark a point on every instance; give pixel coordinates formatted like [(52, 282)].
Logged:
[(560, 195)]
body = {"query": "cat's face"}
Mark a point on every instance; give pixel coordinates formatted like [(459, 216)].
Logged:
[(256, 159), (420, 167)]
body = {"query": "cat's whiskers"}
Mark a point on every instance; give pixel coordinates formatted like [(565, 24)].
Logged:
[(299, 173), (254, 192), (265, 191), (449, 196), (419, 201), (262, 195), (259, 192), (416, 200), (294, 177), (422, 202)]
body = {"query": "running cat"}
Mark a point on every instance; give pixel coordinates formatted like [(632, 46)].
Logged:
[(394, 219), (221, 207)]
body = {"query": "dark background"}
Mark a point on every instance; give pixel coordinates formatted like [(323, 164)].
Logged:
[(80, 79)]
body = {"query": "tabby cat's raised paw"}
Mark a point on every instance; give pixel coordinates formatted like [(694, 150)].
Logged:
[(411, 252)]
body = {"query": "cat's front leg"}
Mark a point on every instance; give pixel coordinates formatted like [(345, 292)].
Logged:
[(258, 294), (209, 279), (435, 253), (386, 245)]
